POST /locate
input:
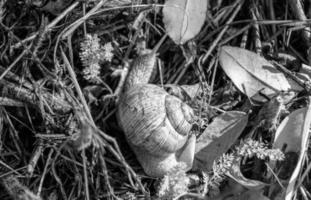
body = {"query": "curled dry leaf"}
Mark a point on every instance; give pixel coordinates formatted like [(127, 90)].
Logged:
[(83, 137), (183, 19), (81, 131), (236, 174), (218, 138), (235, 191), (293, 134), (252, 74)]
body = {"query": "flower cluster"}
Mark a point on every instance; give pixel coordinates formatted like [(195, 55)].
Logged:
[(249, 148), (92, 55), (223, 164), (221, 167), (174, 183)]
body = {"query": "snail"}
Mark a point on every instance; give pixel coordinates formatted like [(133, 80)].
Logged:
[(157, 125)]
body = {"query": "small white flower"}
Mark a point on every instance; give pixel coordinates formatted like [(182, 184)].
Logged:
[(174, 183), (92, 72), (108, 51), (92, 55)]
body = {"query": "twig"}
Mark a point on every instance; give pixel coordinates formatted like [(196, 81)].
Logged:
[(17, 190), (34, 159), (243, 31), (77, 23), (223, 31), (13, 64), (213, 81), (303, 192), (302, 83), (13, 91), (84, 11), (9, 168), (297, 8), (117, 154), (51, 25), (77, 86), (29, 51), (47, 163), (272, 14), (4, 101), (305, 174), (106, 176), (86, 182), (256, 30), (14, 78), (181, 69), (58, 180)]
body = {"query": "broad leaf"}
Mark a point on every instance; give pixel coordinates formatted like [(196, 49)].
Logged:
[(183, 19), (289, 132), (218, 137), (251, 73)]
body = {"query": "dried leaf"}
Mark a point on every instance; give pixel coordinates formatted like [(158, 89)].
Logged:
[(218, 138), (251, 73), (183, 19), (83, 137)]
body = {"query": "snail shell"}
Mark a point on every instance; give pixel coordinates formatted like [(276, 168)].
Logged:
[(157, 127)]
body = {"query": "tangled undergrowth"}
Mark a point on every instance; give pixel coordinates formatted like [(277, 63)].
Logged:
[(63, 64)]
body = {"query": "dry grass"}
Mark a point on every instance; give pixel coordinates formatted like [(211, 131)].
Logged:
[(59, 138)]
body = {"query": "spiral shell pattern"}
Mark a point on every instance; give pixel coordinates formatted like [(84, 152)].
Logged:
[(153, 120)]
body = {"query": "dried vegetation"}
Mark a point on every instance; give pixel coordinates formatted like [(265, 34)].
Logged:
[(245, 69)]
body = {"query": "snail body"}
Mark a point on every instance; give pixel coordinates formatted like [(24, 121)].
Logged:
[(156, 124)]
